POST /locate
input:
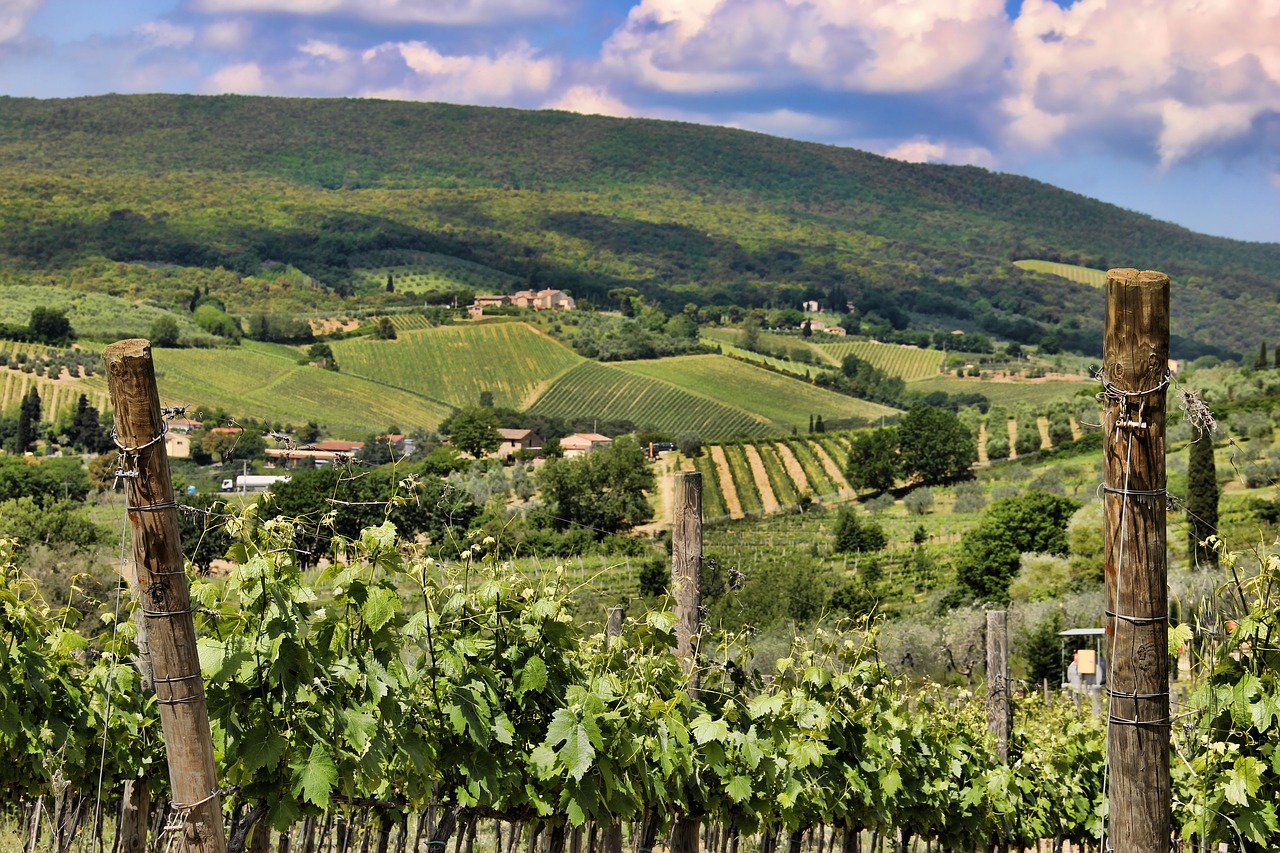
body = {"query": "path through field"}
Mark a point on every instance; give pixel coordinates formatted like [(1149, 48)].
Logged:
[(663, 496), (833, 470), (727, 488), (794, 469), (982, 442), (758, 473), (1013, 439)]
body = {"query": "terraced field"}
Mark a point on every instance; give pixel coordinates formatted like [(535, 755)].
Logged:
[(55, 395), (608, 391), (780, 400), (265, 381), (454, 364), (426, 272), (1081, 275)]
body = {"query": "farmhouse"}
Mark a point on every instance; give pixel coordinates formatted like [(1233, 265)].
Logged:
[(582, 443), (547, 299), (517, 439), (321, 454)]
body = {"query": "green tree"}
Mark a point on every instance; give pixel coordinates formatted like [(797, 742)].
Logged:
[(228, 444), (873, 460), (990, 553), (321, 353), (28, 422), (603, 491), (1260, 363), (1202, 500), (164, 332), (1043, 652), (204, 534), (50, 326), (855, 534), (689, 444), (384, 329), (87, 433), (474, 430), (934, 445)]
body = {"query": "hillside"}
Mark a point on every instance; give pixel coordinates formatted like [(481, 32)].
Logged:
[(284, 204)]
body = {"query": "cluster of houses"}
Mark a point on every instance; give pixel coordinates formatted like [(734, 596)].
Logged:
[(324, 453), (541, 300)]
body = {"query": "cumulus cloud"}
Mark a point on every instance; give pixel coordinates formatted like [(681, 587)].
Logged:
[(920, 150), (14, 15), (453, 12), (590, 100), (1185, 74), (228, 35), (409, 70), (851, 45), (790, 123), (239, 78)]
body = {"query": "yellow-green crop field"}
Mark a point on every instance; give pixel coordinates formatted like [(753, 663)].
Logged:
[(910, 363), (1081, 275), (781, 400), (608, 391), (454, 364), (266, 381)]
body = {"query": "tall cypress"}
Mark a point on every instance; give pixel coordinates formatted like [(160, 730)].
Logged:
[(1260, 363), (1202, 500)]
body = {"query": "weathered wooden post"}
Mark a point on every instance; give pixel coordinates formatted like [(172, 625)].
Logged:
[(1135, 381), (166, 606), (998, 713), (686, 576)]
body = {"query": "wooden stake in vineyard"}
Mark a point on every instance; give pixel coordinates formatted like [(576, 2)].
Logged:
[(166, 606), (1135, 381), (998, 705), (686, 578)]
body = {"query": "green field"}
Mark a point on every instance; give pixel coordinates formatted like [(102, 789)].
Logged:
[(265, 381), (1036, 392), (427, 272), (96, 316), (781, 400), (607, 391), (454, 364), (1071, 272), (911, 363)]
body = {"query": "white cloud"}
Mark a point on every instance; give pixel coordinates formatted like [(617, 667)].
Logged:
[(231, 35), (410, 70), (590, 100), (789, 123), (452, 12), (14, 15), (1273, 178), (922, 150), (1183, 74), (164, 34), (241, 78), (854, 45)]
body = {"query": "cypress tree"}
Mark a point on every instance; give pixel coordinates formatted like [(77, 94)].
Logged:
[(1260, 363), (1202, 500)]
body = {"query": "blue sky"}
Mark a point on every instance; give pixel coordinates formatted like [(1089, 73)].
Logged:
[(1169, 107)]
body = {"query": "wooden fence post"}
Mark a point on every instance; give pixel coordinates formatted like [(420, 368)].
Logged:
[(166, 606), (1135, 382), (686, 576), (998, 680)]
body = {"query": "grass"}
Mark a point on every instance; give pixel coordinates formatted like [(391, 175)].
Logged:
[(1078, 274), (96, 316), (819, 483), (265, 381), (743, 481), (783, 489), (455, 364), (713, 505), (910, 363), (782, 401)]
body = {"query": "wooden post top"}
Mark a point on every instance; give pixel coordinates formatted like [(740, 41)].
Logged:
[(132, 348)]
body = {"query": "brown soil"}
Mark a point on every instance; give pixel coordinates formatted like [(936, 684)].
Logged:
[(833, 470), (727, 488), (767, 498), (794, 469)]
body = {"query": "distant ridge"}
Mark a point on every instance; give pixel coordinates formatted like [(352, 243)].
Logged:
[(679, 211)]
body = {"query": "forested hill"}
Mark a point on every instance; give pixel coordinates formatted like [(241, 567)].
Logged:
[(679, 211)]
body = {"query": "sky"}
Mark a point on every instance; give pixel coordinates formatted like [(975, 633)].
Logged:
[(1167, 107)]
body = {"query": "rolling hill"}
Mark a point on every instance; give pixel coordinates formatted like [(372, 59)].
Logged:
[(279, 205)]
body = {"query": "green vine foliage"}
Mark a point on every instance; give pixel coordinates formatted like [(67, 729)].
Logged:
[(390, 678), (1227, 769)]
